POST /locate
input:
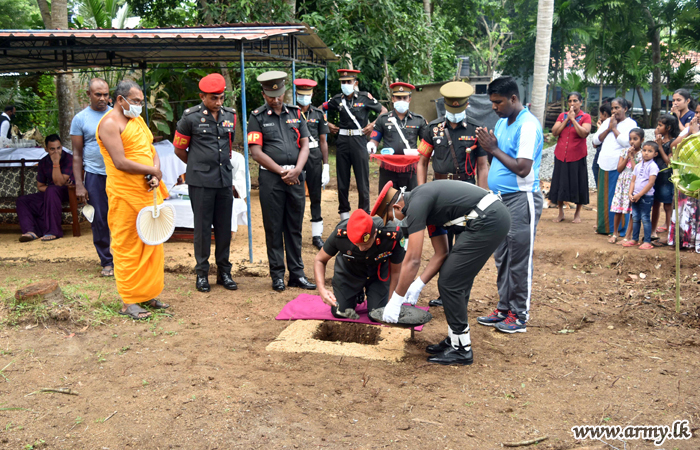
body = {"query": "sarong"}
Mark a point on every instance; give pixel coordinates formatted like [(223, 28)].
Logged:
[(607, 181), (138, 268)]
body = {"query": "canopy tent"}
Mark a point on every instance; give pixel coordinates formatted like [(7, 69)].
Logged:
[(51, 50)]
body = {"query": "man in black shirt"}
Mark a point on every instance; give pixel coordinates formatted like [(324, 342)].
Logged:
[(317, 168), (484, 222), (400, 130), (279, 141), (354, 127), (368, 253), (203, 141)]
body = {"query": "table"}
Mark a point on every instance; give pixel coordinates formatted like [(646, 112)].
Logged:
[(15, 154), (184, 217)]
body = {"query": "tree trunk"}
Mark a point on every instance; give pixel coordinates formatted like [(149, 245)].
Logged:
[(45, 12), (427, 10), (600, 92), (656, 72), (644, 106), (292, 17), (64, 81), (545, 12)]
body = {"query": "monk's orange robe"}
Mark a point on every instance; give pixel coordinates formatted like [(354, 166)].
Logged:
[(139, 269)]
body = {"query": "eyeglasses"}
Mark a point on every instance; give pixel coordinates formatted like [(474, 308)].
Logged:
[(132, 103)]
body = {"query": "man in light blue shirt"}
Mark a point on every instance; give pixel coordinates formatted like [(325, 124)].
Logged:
[(87, 156), (516, 146)]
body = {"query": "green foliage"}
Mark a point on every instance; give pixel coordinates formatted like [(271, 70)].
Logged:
[(160, 113), (19, 15)]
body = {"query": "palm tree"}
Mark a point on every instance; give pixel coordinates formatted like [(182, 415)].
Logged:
[(102, 13), (545, 12)]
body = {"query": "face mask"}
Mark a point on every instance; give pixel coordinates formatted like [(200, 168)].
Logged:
[(401, 107), (133, 112), (455, 118), (347, 89), (303, 100)]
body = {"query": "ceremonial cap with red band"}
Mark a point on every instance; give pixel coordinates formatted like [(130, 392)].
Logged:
[(381, 206), (214, 83), (401, 89), (360, 227), (347, 74), (305, 86)]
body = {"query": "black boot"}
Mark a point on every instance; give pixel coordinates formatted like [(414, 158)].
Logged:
[(453, 356), (226, 281), (203, 283), (436, 302), (301, 282), (439, 348), (317, 241)]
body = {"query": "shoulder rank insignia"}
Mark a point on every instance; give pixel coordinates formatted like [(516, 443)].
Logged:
[(393, 235), (340, 232), (187, 110), (377, 241), (255, 112)]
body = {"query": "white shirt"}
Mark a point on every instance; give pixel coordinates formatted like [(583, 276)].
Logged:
[(5, 127), (613, 147)]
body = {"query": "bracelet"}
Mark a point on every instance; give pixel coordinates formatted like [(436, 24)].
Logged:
[(56, 165)]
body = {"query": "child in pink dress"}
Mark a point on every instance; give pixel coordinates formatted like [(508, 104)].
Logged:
[(621, 202)]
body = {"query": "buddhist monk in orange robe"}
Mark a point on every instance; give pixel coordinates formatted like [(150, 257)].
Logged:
[(126, 144)]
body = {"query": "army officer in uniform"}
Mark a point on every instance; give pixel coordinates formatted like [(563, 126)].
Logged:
[(400, 130), (368, 253), (203, 141), (451, 143), (353, 108), (317, 168), (279, 141)]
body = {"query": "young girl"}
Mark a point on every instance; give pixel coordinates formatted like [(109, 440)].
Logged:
[(621, 202), (666, 131), (683, 107), (641, 194)]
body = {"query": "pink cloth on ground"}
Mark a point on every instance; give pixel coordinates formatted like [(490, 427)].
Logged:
[(311, 307)]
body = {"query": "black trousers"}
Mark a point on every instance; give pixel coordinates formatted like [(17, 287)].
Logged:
[(472, 249), (352, 153), (400, 179), (314, 170), (283, 214), (212, 206)]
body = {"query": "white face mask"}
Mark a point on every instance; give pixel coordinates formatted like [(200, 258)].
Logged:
[(455, 118), (401, 106), (303, 100), (347, 88), (134, 110)]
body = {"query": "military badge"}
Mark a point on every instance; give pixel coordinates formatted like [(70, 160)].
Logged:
[(255, 112), (202, 120), (365, 237), (274, 86), (401, 88), (205, 112), (455, 103), (187, 110), (403, 242), (269, 112), (349, 252), (437, 141), (340, 232)]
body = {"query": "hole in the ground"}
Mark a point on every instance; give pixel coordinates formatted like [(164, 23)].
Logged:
[(348, 332)]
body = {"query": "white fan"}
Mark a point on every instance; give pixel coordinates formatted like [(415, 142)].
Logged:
[(155, 224)]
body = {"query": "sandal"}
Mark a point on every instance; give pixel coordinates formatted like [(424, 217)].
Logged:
[(646, 246), (27, 237), (654, 238), (661, 229), (107, 271), (134, 311), (612, 239), (630, 244), (48, 237), (155, 304)]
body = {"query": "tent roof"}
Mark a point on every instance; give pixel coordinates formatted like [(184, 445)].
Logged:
[(45, 50)]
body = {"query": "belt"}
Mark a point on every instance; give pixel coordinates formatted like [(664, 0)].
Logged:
[(488, 200), (346, 132), (283, 167), (450, 176), (313, 144)]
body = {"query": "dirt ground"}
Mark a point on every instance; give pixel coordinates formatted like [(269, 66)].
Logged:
[(602, 348)]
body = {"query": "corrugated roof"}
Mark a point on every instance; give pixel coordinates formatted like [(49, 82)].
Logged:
[(38, 50)]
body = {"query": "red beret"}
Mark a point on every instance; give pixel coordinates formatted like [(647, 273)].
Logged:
[(381, 205), (214, 83), (360, 227)]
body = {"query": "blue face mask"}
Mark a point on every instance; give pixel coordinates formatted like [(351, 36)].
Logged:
[(401, 107), (455, 118), (303, 100), (347, 88)]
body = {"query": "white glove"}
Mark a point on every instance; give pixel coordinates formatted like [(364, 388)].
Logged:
[(326, 175), (371, 147), (393, 309), (414, 291)]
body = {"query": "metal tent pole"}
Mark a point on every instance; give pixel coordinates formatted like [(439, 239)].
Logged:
[(244, 127), (294, 87), (145, 91)]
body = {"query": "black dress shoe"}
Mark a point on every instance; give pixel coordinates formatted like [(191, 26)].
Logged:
[(301, 283), (436, 302), (318, 242), (278, 284), (439, 348), (453, 356), (203, 284), (226, 281)]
